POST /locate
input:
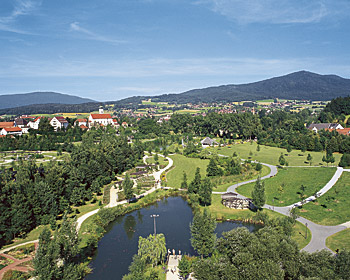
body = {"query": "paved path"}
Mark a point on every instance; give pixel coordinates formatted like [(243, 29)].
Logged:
[(319, 232), (156, 176), (16, 265), (173, 271)]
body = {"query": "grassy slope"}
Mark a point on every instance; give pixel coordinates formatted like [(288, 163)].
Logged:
[(271, 154), (240, 178), (333, 207), (340, 240), (312, 178), (188, 165)]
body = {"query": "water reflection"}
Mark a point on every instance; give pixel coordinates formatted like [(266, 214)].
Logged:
[(130, 226)]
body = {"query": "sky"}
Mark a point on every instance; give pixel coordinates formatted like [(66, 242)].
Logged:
[(112, 49)]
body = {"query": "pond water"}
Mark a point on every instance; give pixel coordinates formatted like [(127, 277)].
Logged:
[(119, 244)]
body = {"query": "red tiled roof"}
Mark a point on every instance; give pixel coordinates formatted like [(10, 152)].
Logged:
[(13, 129), (6, 124), (61, 119), (81, 120), (83, 126), (101, 116), (38, 118), (344, 131)]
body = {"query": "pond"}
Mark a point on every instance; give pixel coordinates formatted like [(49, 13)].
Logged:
[(119, 244)]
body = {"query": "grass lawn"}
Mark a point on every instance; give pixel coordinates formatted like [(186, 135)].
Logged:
[(292, 178), (240, 178), (333, 207), (32, 235), (340, 240), (161, 160), (184, 164), (271, 154), (221, 212)]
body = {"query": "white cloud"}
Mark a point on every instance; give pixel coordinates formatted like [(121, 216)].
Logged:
[(75, 26), (277, 11), (21, 8)]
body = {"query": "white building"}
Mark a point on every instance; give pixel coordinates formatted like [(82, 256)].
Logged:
[(11, 131), (100, 119), (59, 123), (35, 123)]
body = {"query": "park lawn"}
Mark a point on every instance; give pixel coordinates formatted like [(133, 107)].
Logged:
[(340, 240), (161, 160), (184, 164), (271, 154), (234, 179), (31, 236), (221, 212), (333, 207), (292, 178)]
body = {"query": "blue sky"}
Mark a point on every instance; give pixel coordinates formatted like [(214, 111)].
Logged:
[(111, 49)]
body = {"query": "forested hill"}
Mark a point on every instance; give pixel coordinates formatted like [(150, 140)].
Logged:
[(299, 85), (19, 100)]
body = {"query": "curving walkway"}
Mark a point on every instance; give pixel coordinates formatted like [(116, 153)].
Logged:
[(81, 219), (319, 232), (156, 176)]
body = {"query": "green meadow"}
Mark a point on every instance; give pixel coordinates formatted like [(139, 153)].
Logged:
[(291, 179)]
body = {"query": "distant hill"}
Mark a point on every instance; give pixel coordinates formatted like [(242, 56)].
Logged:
[(19, 100), (299, 85), (52, 108)]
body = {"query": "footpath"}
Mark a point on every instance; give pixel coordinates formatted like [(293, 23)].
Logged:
[(319, 233), (113, 203)]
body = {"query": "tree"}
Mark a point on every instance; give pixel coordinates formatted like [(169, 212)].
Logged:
[(196, 183), (202, 233), (127, 186), (184, 181), (156, 158), (205, 191), (212, 169), (309, 157), (345, 160), (258, 193), (281, 159), (258, 167), (184, 267), (281, 189), (289, 148), (258, 148), (152, 249)]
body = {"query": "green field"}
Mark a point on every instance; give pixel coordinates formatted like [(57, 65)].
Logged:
[(183, 164), (292, 178), (271, 154), (333, 207), (222, 187), (340, 240), (223, 213), (162, 161)]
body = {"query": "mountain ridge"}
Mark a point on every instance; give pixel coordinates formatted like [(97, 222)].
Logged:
[(8, 101), (298, 85)]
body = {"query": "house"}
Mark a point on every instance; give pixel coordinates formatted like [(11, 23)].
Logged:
[(35, 123), (231, 200), (100, 119), (116, 124), (207, 142), (80, 122), (83, 127), (344, 131), (59, 123), (319, 126), (6, 124), (125, 124), (21, 122), (11, 131)]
